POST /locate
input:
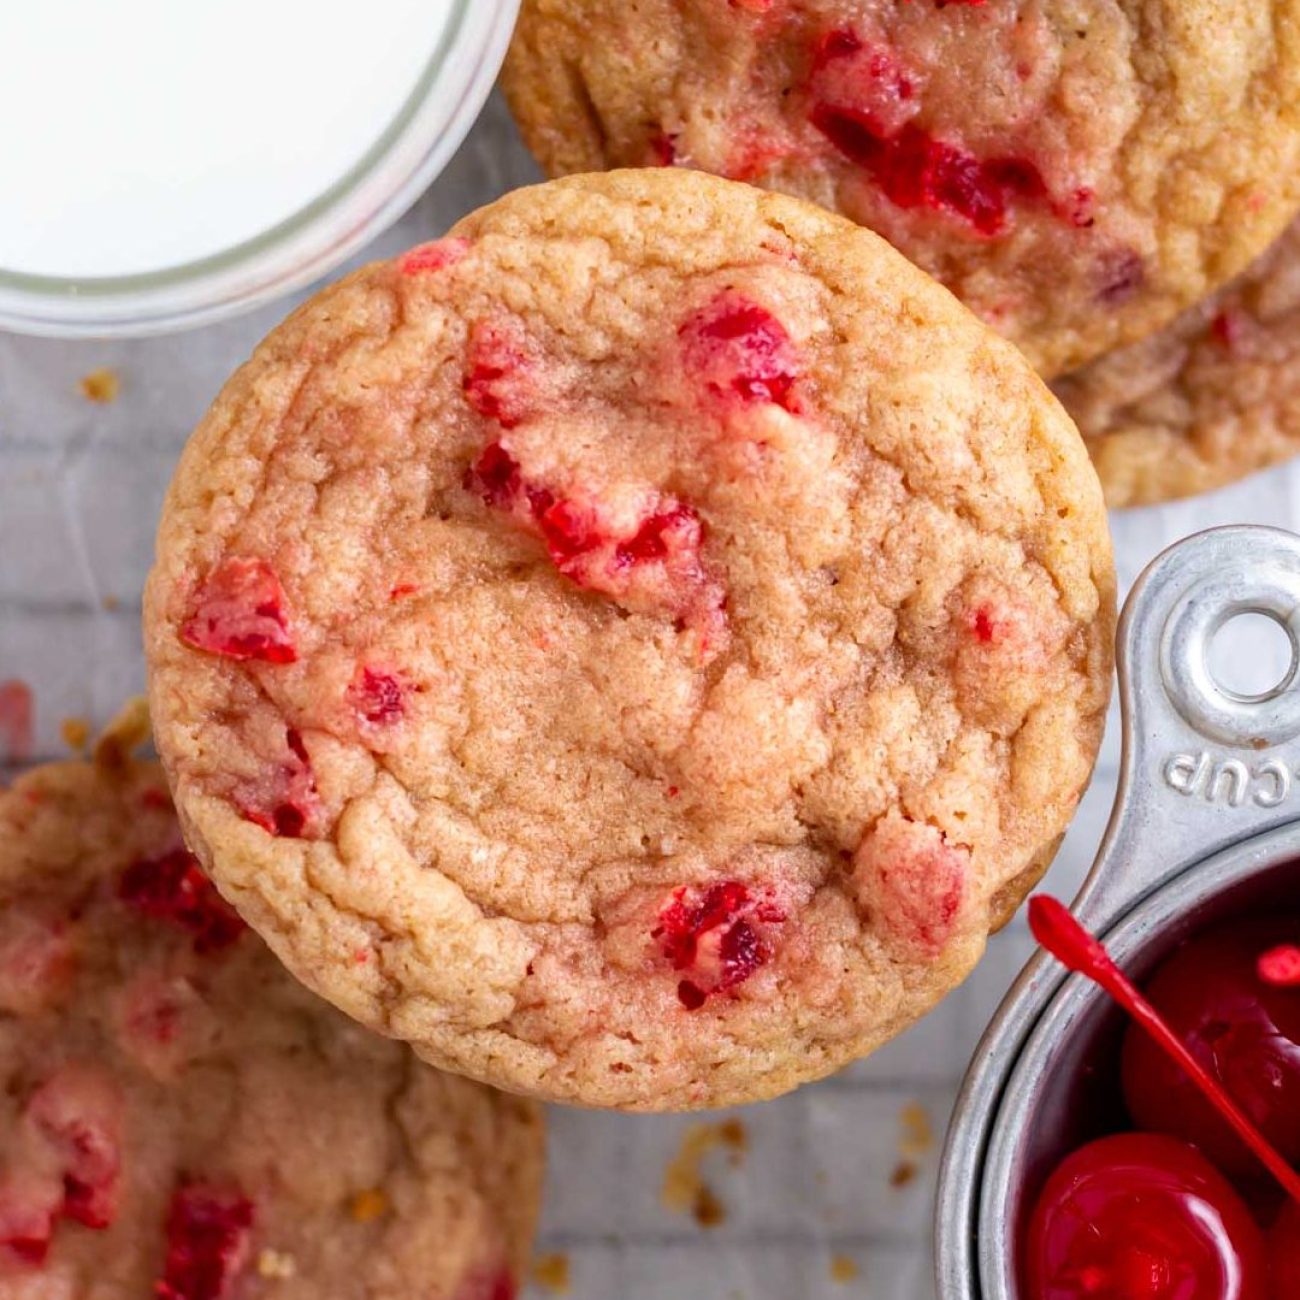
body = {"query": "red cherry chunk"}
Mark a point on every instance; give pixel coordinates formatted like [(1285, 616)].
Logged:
[(173, 888), (239, 613), (208, 1230), (286, 803), (912, 883), (434, 256), (717, 935), (1242, 1029), (497, 375), (377, 696), (738, 350), (1140, 1216), (78, 1113), (915, 169), (655, 567), (489, 1286)]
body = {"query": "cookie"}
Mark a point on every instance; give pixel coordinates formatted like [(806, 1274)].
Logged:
[(1204, 402), (1077, 171), (181, 1119), (634, 647)]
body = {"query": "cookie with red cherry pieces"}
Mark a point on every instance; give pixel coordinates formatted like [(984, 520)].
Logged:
[(181, 1119), (1207, 400), (1076, 172), (656, 627)]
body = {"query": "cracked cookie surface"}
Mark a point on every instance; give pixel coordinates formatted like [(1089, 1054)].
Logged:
[(1207, 400), (1077, 171), (179, 1118), (634, 648)]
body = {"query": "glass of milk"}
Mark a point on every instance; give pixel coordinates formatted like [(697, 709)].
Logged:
[(169, 162)]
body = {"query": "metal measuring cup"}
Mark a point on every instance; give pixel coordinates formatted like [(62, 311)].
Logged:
[(1206, 824)]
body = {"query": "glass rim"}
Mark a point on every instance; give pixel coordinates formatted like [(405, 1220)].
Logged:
[(406, 157)]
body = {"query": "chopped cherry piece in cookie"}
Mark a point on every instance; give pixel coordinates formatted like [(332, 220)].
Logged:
[(378, 697), (914, 169), (738, 350), (78, 1113), (239, 613), (718, 935), (29, 1203), (912, 883), (173, 888), (646, 556), (434, 256), (208, 1231), (868, 78), (286, 804), (498, 479), (497, 380), (37, 959), (489, 1286), (663, 150)]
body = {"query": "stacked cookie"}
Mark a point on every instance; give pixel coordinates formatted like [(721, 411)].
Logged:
[(635, 648), (1077, 173), (180, 1119)]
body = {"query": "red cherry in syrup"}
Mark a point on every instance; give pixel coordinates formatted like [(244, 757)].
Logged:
[(1284, 1253), (1243, 1030), (1140, 1216)]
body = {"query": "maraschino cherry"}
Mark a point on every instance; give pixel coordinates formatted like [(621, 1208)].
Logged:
[(1140, 1216), (1242, 1027), (1145, 1216), (1284, 1253)]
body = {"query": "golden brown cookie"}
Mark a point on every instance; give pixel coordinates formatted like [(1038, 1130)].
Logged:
[(181, 1119), (1077, 171), (1207, 400), (626, 648)]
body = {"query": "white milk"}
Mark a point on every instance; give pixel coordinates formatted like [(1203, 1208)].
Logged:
[(137, 135)]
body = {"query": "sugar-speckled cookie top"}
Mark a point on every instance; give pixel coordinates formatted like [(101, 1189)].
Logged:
[(179, 1119), (1076, 170), (1206, 401), (634, 647)]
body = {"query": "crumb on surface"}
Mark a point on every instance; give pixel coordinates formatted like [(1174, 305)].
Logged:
[(75, 733), (369, 1205), (16, 721), (708, 1211), (684, 1188), (111, 603), (918, 1133), (844, 1269), (102, 385), (127, 733), (276, 1265), (552, 1272), (903, 1175)]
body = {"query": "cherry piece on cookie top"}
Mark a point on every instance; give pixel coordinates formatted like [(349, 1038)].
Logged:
[(1140, 1216), (646, 556), (739, 351), (285, 803), (717, 937), (208, 1242), (238, 612)]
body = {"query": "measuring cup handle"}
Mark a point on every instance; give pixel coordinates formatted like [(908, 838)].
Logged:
[(1203, 767)]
